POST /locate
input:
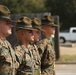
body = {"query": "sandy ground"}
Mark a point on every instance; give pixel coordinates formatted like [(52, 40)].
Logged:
[(68, 48), (69, 68)]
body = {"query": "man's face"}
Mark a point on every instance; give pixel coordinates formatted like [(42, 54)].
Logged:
[(36, 35), (28, 35), (49, 30), (5, 28)]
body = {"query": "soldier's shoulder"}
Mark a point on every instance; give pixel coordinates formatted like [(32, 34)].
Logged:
[(17, 47), (1, 47), (30, 46), (1, 44), (7, 42), (43, 41), (35, 46)]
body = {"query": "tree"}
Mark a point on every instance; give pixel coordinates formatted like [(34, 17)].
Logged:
[(66, 9), (24, 6)]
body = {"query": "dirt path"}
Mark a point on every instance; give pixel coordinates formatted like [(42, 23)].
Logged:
[(68, 49)]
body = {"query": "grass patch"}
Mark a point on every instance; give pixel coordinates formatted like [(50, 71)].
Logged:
[(66, 58)]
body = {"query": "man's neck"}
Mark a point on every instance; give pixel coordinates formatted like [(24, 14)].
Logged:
[(25, 43), (1, 36), (48, 36)]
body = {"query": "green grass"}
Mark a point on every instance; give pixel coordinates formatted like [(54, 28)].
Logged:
[(66, 58)]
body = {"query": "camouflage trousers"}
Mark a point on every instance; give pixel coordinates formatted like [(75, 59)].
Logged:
[(46, 72), (23, 73), (37, 72)]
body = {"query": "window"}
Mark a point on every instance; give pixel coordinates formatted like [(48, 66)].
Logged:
[(74, 31)]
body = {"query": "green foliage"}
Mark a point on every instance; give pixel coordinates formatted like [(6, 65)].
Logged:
[(67, 58), (24, 6), (66, 9)]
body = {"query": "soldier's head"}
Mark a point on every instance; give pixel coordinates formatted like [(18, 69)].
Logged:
[(5, 21), (36, 23), (48, 25), (24, 30)]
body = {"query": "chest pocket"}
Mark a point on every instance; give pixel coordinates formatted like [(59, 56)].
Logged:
[(27, 60), (35, 55)]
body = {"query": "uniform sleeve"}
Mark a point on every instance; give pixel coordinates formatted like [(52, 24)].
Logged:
[(4, 65), (41, 47), (47, 54)]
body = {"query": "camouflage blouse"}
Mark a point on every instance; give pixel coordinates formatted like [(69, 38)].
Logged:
[(25, 59), (47, 55), (8, 63)]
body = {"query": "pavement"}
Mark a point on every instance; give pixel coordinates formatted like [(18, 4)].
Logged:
[(65, 69), (68, 48)]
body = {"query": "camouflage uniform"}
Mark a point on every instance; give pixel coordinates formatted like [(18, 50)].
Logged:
[(47, 57), (36, 24), (25, 59), (23, 54), (8, 62), (37, 59), (45, 47)]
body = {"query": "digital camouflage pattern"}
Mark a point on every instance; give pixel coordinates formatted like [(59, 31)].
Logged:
[(8, 63), (37, 58), (25, 59), (47, 57)]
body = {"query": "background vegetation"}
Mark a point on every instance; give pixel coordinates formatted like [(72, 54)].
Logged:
[(67, 58), (66, 9)]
